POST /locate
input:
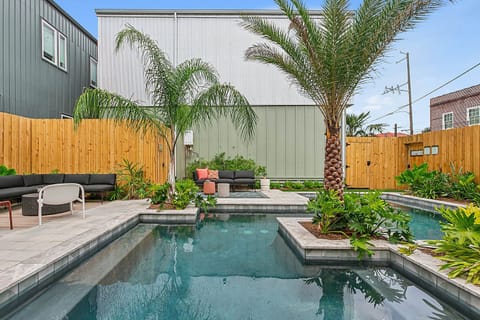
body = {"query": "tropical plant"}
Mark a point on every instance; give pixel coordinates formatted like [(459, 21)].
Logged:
[(460, 246), (361, 217), (328, 211), (463, 184), (424, 183), (221, 162), (5, 171), (132, 182), (159, 193), (330, 58), (205, 204), (185, 193), (356, 125), (182, 96)]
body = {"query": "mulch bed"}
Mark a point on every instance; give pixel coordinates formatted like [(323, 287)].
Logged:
[(165, 206), (313, 229)]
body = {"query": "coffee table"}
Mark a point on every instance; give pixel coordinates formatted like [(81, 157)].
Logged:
[(30, 206)]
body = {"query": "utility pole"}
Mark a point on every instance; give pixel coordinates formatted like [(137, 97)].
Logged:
[(398, 88), (410, 113)]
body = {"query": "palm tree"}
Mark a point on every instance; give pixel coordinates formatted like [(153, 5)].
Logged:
[(355, 125), (181, 96), (329, 59)]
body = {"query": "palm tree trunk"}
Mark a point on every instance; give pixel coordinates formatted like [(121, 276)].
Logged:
[(333, 174), (171, 166)]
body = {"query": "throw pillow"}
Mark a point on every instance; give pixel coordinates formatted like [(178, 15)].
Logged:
[(202, 174), (213, 174)]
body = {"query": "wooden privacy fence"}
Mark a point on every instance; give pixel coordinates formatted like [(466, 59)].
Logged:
[(373, 162), (98, 146)]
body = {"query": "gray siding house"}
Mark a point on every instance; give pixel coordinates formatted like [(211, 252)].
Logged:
[(46, 58), (290, 138)]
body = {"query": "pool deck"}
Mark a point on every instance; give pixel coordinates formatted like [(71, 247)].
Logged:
[(31, 256)]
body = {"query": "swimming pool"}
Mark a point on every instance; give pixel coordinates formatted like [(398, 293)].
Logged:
[(424, 225), (228, 267)]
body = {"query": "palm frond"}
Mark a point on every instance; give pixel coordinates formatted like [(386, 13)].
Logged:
[(158, 69), (221, 100), (97, 103)]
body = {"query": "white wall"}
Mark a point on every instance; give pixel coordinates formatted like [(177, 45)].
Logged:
[(216, 38)]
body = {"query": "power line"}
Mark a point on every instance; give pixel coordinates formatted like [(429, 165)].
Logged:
[(429, 93)]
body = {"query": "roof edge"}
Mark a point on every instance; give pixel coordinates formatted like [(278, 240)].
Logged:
[(72, 20), (199, 12)]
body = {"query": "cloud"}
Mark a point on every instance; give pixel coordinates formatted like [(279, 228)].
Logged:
[(377, 103)]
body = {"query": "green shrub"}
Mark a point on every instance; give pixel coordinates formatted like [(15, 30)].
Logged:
[(275, 185), (220, 162), (205, 203), (132, 181), (424, 183), (5, 171), (328, 211), (463, 184), (159, 193), (185, 193), (361, 216), (460, 246)]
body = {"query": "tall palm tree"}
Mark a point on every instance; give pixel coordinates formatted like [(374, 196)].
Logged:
[(329, 59), (181, 96), (356, 125)]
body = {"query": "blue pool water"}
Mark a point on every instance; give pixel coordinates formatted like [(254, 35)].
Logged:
[(424, 225), (238, 267)]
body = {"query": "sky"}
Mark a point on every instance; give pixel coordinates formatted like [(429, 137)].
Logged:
[(440, 48)]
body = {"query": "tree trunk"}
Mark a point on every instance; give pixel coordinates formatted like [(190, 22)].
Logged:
[(171, 167), (333, 173)]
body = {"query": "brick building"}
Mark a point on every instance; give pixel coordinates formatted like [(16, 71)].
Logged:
[(456, 109)]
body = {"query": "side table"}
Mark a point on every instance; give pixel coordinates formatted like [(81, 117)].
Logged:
[(223, 190), (209, 187)]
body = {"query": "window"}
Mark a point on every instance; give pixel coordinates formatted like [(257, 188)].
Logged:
[(93, 72), (473, 116), (62, 52), (447, 120), (49, 44), (54, 46)]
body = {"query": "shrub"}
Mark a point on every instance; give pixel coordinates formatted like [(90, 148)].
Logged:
[(220, 162), (361, 216), (185, 193), (159, 193), (460, 246), (132, 181), (5, 171)]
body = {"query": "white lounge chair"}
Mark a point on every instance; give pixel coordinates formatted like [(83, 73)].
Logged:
[(60, 193)]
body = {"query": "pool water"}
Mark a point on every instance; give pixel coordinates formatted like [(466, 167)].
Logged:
[(424, 225), (239, 267)]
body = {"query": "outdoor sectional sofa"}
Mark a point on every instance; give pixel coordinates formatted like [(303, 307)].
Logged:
[(13, 187), (234, 178)]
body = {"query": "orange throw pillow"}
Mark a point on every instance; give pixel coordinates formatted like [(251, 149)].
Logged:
[(202, 174), (213, 174)]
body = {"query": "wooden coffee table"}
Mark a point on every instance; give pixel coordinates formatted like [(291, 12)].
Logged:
[(30, 206)]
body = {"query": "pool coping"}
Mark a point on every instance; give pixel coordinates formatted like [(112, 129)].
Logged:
[(422, 268), (75, 244)]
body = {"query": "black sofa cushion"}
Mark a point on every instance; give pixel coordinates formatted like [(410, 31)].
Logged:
[(106, 179), (98, 187), (244, 181), (11, 181), (16, 192), (224, 181), (244, 174), (52, 178), (225, 174), (32, 180), (77, 178)]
